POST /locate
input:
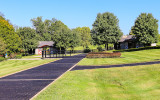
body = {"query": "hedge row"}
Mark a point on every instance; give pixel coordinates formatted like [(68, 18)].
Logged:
[(103, 55), (138, 49)]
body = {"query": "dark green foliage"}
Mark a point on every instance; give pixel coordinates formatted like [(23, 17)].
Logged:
[(100, 48), (146, 29), (75, 39), (62, 35), (87, 50), (43, 28), (106, 29), (139, 49), (28, 37), (2, 47)]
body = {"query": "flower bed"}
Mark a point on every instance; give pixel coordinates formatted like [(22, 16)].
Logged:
[(103, 55)]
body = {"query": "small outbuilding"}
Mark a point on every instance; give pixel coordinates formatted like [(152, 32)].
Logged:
[(43, 45)]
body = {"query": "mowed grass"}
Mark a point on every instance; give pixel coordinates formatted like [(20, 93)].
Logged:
[(90, 46), (127, 83), (32, 56), (127, 57), (12, 66)]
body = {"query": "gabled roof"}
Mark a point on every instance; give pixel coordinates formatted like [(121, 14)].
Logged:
[(126, 37), (45, 43)]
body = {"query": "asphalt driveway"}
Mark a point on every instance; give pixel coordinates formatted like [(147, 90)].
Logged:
[(24, 85)]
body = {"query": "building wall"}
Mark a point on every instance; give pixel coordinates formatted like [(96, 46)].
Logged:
[(38, 51), (124, 45), (153, 44)]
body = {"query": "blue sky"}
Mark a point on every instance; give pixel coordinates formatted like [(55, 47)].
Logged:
[(75, 13)]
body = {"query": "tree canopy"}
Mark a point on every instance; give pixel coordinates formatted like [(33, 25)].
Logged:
[(85, 35), (9, 36), (2, 46), (43, 28), (106, 29), (62, 35), (75, 39), (29, 38), (146, 29)]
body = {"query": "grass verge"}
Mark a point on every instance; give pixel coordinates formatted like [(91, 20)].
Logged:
[(133, 83)]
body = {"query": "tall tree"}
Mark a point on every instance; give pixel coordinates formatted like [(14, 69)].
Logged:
[(9, 36), (28, 37), (146, 29), (42, 28), (85, 35), (106, 29), (62, 35), (75, 39)]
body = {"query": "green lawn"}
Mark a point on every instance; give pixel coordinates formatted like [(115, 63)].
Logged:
[(90, 46), (127, 57), (12, 66), (32, 56), (127, 83), (81, 47)]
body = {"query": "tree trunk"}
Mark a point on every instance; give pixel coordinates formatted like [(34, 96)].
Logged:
[(106, 46), (60, 50), (25, 51)]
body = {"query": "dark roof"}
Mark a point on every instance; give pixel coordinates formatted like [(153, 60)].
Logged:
[(126, 37), (45, 43)]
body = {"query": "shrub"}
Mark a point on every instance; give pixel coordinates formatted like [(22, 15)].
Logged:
[(18, 56), (87, 50), (138, 49), (103, 55), (99, 48), (95, 50), (23, 54), (2, 58), (12, 55)]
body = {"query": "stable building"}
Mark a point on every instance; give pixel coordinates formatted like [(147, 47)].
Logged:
[(129, 41), (44, 45)]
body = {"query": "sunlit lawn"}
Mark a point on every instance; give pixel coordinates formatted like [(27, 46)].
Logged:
[(127, 83), (32, 56), (90, 46), (127, 57)]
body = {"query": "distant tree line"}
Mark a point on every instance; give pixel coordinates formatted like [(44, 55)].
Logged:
[(105, 31), (26, 38)]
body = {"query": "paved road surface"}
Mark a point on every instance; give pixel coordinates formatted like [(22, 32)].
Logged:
[(78, 67), (24, 85)]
